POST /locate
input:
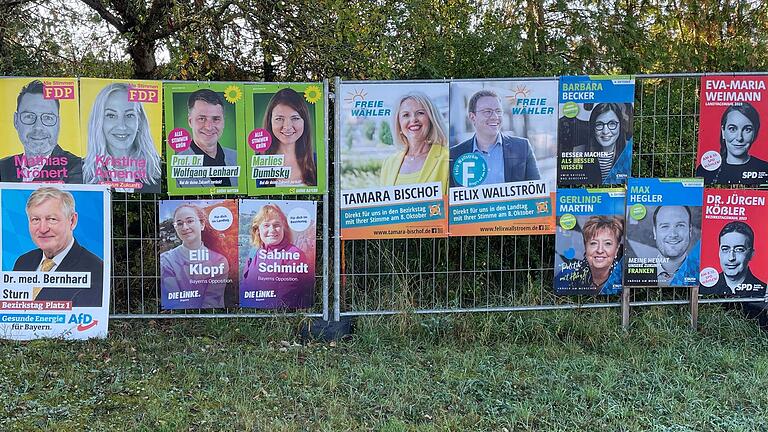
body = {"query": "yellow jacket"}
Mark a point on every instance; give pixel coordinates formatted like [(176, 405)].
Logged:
[(435, 168)]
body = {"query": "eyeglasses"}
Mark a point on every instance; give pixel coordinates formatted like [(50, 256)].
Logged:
[(738, 250), (487, 113), (612, 125), (29, 118), (187, 222)]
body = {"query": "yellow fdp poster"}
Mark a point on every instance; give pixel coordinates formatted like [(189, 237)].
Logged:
[(44, 143)]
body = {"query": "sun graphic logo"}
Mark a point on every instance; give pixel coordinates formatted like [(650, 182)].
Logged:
[(434, 210), (233, 94), (355, 95), (313, 94), (542, 207), (519, 92)]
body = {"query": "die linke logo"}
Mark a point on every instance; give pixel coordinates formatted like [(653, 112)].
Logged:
[(143, 94), (84, 321), (58, 90)]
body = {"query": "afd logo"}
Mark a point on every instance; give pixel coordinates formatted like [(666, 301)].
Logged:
[(83, 321)]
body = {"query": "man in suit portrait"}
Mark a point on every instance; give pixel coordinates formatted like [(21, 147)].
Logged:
[(37, 122), (52, 220), (508, 158), (206, 119)]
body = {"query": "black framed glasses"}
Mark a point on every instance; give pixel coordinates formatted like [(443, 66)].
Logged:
[(612, 125), (47, 119)]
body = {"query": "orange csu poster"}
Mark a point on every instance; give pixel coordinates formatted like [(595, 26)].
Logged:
[(41, 140), (503, 157), (394, 160)]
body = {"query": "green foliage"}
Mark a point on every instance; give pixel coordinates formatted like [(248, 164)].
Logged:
[(385, 133)]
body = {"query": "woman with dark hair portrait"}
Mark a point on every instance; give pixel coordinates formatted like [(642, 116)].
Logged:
[(273, 250), (120, 145), (601, 269), (288, 121), (610, 130), (739, 128), (424, 154), (181, 286)]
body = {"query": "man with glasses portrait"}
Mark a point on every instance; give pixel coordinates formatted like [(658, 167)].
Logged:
[(508, 158), (736, 247), (37, 122)]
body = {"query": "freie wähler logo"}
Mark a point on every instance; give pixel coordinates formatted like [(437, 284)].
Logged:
[(362, 107), (470, 170)]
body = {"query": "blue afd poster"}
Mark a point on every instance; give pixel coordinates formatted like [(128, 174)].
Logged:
[(595, 129), (663, 232)]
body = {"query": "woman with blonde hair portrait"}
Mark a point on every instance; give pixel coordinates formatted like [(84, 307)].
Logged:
[(120, 145), (424, 156), (288, 121), (277, 272)]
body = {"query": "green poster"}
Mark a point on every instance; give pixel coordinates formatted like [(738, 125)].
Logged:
[(285, 142), (204, 127)]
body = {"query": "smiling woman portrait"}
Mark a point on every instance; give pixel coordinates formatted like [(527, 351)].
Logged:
[(739, 129), (288, 122), (120, 145), (609, 124), (424, 156), (601, 269), (183, 286)]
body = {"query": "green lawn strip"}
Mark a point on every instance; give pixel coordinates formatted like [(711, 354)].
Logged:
[(529, 371)]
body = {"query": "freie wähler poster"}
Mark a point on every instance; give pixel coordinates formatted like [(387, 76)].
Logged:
[(394, 153), (589, 242), (41, 142), (277, 253), (663, 240), (595, 130), (198, 253), (122, 124), (286, 142), (731, 144), (205, 138), (56, 260), (734, 259), (503, 159)]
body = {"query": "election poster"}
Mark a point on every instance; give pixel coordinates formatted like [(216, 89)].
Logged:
[(56, 260), (734, 260), (589, 242), (730, 112), (393, 147), (122, 124), (44, 143), (502, 157), (663, 241), (277, 253), (205, 138), (595, 129), (286, 143), (198, 254)]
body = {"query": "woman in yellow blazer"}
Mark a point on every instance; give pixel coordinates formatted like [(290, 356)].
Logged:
[(425, 154)]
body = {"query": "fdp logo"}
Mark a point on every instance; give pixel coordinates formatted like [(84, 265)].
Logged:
[(143, 95), (84, 321)]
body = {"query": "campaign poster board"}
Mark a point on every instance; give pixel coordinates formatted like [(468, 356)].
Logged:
[(502, 157), (595, 129), (198, 253), (286, 143), (44, 143), (663, 241), (589, 241), (122, 124), (393, 184), (70, 299), (732, 147), (277, 253), (734, 259), (216, 121)]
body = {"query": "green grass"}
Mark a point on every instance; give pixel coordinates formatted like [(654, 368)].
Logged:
[(569, 370)]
